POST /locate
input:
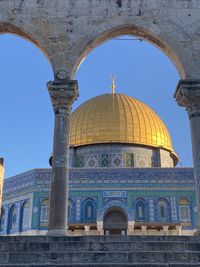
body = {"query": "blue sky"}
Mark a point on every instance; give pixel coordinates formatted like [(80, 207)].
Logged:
[(142, 71)]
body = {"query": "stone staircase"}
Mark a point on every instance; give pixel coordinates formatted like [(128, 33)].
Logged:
[(40, 251)]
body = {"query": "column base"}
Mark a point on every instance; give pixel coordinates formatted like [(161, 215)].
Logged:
[(57, 233)]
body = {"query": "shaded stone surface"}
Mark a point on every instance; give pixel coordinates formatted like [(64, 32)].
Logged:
[(100, 251)]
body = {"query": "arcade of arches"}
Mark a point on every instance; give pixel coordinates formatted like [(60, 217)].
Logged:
[(66, 31)]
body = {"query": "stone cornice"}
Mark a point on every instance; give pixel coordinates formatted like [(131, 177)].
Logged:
[(63, 93)]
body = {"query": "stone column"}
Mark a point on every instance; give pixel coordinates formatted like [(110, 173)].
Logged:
[(87, 229), (100, 228), (187, 94), (62, 93), (144, 229), (165, 229), (179, 228), (131, 226)]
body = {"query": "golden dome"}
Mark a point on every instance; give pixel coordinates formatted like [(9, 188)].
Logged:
[(118, 118)]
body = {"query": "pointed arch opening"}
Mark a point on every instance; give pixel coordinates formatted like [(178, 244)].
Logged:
[(13, 220), (141, 210), (89, 211), (163, 210), (145, 68), (115, 221), (184, 210), (25, 104), (2, 220), (25, 216), (133, 31)]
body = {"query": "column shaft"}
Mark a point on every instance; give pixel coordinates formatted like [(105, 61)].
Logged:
[(188, 95), (195, 139), (62, 93)]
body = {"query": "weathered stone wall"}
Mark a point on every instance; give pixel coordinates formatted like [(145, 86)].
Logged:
[(1, 180), (66, 31)]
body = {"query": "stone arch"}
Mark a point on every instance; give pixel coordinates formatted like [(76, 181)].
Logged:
[(89, 210), (115, 220), (163, 210), (2, 219), (25, 215), (43, 212), (131, 30), (184, 201), (12, 219), (141, 209), (23, 41), (113, 203), (184, 206), (118, 208), (38, 42)]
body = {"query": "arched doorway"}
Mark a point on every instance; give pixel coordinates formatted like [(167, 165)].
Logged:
[(115, 222)]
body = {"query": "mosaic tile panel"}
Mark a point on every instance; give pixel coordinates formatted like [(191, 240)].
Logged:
[(80, 161), (151, 209), (117, 160), (104, 160), (129, 160), (174, 209), (92, 161)]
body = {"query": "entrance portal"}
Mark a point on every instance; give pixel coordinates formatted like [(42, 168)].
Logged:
[(115, 222)]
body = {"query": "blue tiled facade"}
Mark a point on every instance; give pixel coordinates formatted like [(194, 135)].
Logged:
[(142, 193)]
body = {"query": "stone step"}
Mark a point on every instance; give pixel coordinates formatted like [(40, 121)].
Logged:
[(106, 265), (99, 246), (100, 257), (97, 251), (109, 238)]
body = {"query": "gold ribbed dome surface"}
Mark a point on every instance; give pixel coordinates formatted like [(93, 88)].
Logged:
[(117, 118)]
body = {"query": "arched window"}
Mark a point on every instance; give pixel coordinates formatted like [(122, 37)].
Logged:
[(162, 209), (2, 220), (12, 219), (140, 210), (184, 210), (89, 211), (25, 215), (44, 213), (70, 211)]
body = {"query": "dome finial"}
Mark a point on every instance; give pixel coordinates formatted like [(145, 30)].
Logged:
[(113, 84)]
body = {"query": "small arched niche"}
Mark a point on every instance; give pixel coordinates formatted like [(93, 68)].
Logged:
[(115, 221)]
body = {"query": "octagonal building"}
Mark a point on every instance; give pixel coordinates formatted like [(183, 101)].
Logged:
[(122, 177)]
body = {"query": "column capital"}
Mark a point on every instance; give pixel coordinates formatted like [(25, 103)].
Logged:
[(63, 93), (187, 95)]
